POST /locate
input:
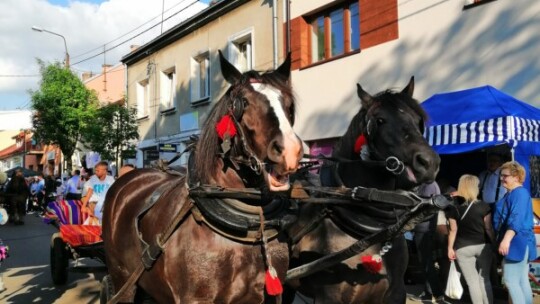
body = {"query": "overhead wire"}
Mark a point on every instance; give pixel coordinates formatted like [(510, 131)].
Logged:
[(133, 30), (133, 37)]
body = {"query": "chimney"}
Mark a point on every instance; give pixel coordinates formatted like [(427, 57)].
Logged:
[(134, 47), (86, 75)]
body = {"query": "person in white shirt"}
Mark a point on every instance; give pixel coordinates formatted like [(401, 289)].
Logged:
[(72, 190), (96, 188)]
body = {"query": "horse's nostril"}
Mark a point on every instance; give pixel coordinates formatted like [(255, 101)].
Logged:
[(422, 159), (277, 148)]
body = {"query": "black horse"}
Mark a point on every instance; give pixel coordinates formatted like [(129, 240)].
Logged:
[(383, 148)]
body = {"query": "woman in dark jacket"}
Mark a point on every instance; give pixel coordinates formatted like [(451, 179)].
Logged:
[(17, 191)]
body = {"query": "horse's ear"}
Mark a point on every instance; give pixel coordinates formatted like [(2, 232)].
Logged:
[(284, 70), (229, 72), (364, 96), (409, 89)]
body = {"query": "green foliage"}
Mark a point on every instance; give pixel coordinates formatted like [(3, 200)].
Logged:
[(113, 132), (62, 108)]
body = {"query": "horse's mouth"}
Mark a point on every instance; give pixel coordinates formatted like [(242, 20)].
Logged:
[(410, 175), (277, 182), (422, 178)]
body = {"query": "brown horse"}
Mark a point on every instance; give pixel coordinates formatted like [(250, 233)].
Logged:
[(247, 141), (388, 127)]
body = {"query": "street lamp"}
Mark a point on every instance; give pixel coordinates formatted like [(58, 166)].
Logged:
[(38, 29)]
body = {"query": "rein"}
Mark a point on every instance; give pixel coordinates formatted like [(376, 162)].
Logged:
[(391, 163), (438, 201)]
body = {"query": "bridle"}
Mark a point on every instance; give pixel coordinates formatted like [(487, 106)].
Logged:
[(241, 152)]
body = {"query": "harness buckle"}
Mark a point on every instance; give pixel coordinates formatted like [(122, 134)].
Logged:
[(394, 165)]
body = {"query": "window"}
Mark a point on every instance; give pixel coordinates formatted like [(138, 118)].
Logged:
[(200, 78), (143, 98), (241, 52), (335, 32), (168, 88)]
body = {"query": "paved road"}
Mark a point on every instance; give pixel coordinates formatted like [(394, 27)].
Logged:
[(26, 272)]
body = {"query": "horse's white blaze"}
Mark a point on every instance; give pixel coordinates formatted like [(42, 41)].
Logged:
[(273, 96), (291, 143)]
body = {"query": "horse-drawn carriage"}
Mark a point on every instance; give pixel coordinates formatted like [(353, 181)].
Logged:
[(232, 228), (74, 240)]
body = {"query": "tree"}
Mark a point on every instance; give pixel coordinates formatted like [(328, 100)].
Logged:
[(62, 108), (113, 132)]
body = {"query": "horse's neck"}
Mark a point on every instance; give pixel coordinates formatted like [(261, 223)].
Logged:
[(366, 175), (224, 176)]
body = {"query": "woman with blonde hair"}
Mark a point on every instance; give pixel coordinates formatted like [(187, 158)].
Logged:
[(470, 239), (513, 222)]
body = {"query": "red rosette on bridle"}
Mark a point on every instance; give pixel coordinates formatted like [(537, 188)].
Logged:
[(360, 142), (226, 125)]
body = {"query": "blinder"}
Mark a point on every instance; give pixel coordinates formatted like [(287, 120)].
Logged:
[(237, 108), (422, 125)]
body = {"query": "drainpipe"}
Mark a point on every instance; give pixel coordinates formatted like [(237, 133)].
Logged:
[(275, 32), (288, 26)]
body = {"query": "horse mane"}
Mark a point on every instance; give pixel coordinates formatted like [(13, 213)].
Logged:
[(345, 146), (208, 147)]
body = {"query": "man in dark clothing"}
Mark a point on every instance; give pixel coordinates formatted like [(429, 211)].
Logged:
[(424, 241), (17, 192)]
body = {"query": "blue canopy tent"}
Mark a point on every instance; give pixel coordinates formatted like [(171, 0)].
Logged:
[(484, 117)]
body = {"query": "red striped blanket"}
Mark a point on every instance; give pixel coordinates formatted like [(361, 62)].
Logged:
[(77, 235)]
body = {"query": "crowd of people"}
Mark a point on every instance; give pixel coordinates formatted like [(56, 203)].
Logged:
[(490, 226), (22, 195)]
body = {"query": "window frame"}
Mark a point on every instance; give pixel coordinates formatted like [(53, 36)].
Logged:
[(143, 102), (236, 40), (195, 80), (327, 36), (168, 87)]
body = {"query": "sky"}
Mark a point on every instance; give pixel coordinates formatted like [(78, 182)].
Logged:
[(87, 26)]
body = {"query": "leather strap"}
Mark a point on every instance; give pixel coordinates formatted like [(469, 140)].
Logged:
[(161, 240)]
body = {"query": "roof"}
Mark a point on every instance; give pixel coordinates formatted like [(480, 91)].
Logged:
[(193, 23)]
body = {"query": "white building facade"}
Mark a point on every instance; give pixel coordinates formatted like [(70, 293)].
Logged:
[(447, 45)]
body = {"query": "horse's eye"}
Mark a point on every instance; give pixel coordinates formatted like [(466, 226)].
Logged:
[(380, 121)]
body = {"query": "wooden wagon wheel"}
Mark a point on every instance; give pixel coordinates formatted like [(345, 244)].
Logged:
[(59, 256), (107, 290)]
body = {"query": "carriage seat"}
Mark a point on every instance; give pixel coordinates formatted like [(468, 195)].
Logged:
[(78, 235)]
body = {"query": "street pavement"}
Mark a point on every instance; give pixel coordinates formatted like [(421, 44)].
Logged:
[(26, 273)]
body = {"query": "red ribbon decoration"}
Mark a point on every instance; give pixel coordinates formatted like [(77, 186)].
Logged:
[(360, 142), (226, 125), (272, 282), (372, 265)]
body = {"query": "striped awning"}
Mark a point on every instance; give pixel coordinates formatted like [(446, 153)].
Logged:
[(507, 129)]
